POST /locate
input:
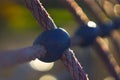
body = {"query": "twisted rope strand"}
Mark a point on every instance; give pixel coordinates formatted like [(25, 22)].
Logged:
[(98, 45), (40, 14), (76, 70), (51, 25)]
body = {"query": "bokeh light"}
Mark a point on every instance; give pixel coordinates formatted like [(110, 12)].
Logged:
[(117, 10), (109, 78), (48, 77), (41, 66)]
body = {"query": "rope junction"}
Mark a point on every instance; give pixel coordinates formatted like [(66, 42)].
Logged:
[(48, 48)]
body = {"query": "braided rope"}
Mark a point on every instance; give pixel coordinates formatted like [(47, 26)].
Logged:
[(40, 14), (73, 66), (68, 59), (99, 44)]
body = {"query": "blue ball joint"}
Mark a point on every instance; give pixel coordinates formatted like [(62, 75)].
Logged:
[(55, 41), (105, 29), (88, 33)]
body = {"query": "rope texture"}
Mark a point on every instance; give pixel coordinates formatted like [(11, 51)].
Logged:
[(40, 14), (68, 59)]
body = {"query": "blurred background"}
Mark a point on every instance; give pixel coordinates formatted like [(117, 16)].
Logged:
[(18, 29)]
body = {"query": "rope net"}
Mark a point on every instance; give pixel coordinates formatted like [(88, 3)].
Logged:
[(99, 44), (68, 57)]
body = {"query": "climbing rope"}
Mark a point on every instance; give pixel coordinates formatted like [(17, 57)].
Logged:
[(48, 48), (68, 57)]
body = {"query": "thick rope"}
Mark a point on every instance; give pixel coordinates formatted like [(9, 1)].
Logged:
[(68, 59), (30, 53), (13, 57), (40, 14), (75, 70)]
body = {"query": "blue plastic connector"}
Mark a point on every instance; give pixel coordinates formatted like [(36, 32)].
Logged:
[(55, 41), (88, 33)]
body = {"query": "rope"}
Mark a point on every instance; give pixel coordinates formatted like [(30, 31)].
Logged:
[(99, 44), (40, 14), (107, 57), (113, 33), (68, 59), (73, 65), (72, 6), (114, 37), (13, 57)]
